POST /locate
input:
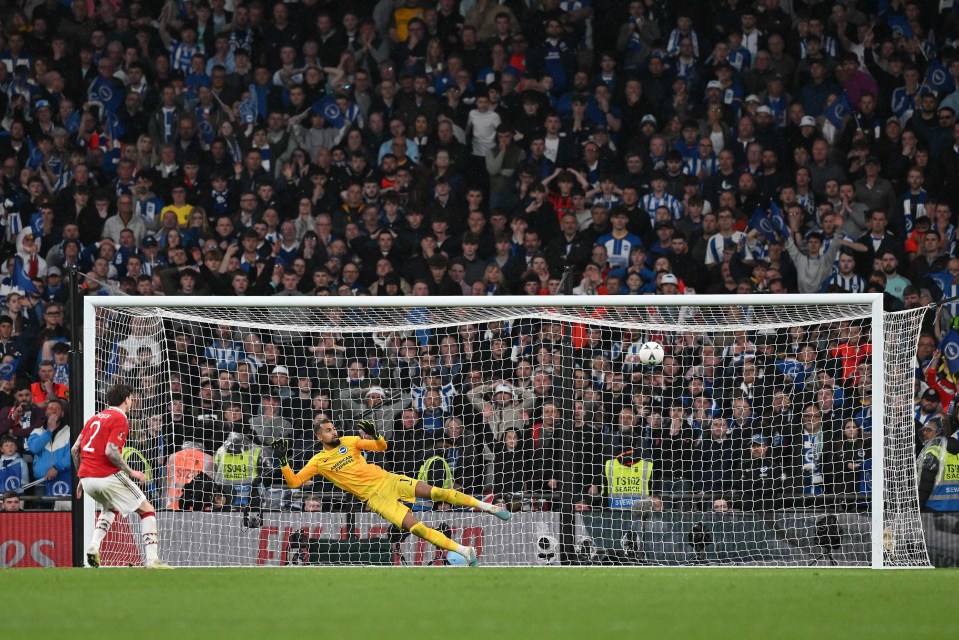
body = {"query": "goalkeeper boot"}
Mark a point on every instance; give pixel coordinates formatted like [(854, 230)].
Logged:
[(471, 557), (501, 512), (93, 558), (158, 564)]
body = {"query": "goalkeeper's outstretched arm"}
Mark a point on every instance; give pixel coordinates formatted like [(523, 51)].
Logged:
[(281, 449), (378, 442)]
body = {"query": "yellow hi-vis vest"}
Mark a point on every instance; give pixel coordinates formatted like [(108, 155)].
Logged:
[(236, 468), (945, 493), (627, 484), (423, 475), (134, 453)]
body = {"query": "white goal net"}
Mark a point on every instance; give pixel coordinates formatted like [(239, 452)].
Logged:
[(777, 431)]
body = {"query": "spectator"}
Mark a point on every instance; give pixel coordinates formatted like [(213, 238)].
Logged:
[(461, 453), (813, 442), (45, 389), (270, 424), (23, 417), (50, 445), (937, 450), (500, 408), (761, 480), (850, 462), (11, 501), (509, 465), (372, 403), (408, 444), (718, 458), (813, 266), (13, 468)]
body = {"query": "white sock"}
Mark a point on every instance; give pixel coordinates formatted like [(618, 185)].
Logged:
[(104, 522), (148, 532), (486, 507), (462, 549)]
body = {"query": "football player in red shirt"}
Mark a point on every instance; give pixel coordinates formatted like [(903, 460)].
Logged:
[(105, 475)]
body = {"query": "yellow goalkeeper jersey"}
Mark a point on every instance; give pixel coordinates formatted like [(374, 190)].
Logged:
[(344, 466)]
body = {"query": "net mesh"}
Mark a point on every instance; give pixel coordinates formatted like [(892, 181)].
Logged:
[(903, 541), (749, 444)]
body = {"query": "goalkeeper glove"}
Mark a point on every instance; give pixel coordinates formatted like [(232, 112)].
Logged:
[(281, 449), (368, 427)]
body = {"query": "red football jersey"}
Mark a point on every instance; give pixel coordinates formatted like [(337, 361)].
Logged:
[(110, 425)]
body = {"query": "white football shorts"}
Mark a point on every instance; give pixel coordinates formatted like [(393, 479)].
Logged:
[(115, 493)]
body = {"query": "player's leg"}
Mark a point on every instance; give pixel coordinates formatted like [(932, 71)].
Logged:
[(108, 515), (148, 533), (389, 503), (454, 497), (437, 539), (104, 521)]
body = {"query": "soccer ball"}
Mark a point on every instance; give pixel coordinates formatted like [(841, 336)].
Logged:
[(547, 550), (456, 559), (651, 353)]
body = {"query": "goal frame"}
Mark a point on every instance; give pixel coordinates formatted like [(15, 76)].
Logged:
[(875, 300)]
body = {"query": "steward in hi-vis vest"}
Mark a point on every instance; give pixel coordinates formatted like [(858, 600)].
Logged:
[(627, 480), (138, 462), (937, 469), (236, 464), (182, 467)]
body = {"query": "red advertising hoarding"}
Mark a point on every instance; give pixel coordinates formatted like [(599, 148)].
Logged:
[(35, 539)]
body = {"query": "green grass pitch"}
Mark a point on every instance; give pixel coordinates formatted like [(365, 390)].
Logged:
[(461, 603)]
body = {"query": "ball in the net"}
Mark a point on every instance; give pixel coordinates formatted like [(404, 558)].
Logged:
[(651, 353)]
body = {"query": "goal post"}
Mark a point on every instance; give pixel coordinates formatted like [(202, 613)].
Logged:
[(777, 432)]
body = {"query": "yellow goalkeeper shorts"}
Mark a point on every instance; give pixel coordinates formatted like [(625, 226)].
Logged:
[(389, 498)]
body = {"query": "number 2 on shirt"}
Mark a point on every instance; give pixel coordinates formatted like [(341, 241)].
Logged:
[(96, 430)]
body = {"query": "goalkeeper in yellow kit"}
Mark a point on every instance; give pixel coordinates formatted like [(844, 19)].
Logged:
[(342, 463)]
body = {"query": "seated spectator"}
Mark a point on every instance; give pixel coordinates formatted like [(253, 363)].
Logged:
[(23, 417), (11, 501), (719, 455), (510, 465), (45, 389), (760, 480), (14, 472)]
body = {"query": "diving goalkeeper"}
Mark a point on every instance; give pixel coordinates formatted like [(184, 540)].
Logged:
[(342, 463)]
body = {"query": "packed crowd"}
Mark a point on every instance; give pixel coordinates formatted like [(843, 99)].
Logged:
[(471, 148)]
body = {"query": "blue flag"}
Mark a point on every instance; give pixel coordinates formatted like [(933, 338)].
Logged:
[(900, 26), (206, 127), (838, 110), (778, 220), (20, 278), (34, 157), (36, 223), (949, 347), (258, 95), (330, 111), (247, 110), (8, 370), (113, 364), (761, 222), (105, 92), (938, 78), (114, 127)]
